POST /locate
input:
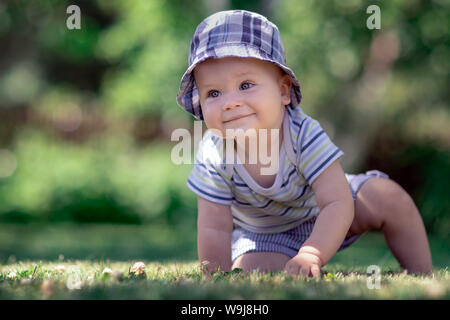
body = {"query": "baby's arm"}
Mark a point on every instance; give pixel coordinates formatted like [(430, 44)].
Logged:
[(335, 201), (214, 228)]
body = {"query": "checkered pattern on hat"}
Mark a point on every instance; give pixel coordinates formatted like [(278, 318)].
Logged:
[(233, 33)]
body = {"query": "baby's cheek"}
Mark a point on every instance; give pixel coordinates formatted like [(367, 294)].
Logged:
[(210, 118), (267, 120)]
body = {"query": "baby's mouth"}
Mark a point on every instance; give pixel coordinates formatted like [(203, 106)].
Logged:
[(238, 117)]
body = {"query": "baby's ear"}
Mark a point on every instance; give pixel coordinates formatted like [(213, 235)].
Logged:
[(285, 88)]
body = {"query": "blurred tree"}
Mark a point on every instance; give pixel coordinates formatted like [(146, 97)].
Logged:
[(362, 80), (149, 43), (41, 57)]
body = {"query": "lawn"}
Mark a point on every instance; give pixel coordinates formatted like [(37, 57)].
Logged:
[(95, 262)]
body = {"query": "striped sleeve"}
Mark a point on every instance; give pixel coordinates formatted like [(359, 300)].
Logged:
[(209, 179), (317, 151)]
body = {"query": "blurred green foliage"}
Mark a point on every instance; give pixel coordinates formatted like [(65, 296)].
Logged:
[(86, 115), (103, 180)]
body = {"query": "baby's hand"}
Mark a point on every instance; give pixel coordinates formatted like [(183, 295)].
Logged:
[(304, 263)]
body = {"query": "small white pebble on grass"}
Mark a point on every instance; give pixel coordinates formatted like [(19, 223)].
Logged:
[(60, 268), (73, 282), (107, 271), (138, 268), (204, 265), (112, 273)]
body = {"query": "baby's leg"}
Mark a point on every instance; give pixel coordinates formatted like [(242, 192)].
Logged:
[(263, 261), (384, 205)]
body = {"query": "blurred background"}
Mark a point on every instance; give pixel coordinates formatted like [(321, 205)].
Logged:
[(86, 115)]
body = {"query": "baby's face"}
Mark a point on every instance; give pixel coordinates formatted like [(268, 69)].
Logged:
[(242, 93)]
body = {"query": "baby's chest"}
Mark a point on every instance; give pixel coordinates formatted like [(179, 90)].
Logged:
[(265, 181), (292, 189)]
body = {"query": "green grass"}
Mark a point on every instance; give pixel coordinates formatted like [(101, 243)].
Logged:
[(85, 280), (172, 272)]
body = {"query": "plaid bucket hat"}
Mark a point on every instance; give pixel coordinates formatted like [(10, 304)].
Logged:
[(233, 33)]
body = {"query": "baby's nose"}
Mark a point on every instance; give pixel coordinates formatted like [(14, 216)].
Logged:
[(232, 101)]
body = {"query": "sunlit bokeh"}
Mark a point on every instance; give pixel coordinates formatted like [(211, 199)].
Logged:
[(8, 163)]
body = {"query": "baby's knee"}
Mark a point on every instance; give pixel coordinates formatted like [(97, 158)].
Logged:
[(395, 198), (394, 202), (379, 201)]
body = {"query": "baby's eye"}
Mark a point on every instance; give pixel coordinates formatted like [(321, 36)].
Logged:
[(246, 85), (213, 94)]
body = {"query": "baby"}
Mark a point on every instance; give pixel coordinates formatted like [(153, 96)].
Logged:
[(297, 218)]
